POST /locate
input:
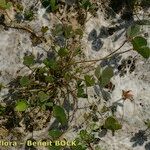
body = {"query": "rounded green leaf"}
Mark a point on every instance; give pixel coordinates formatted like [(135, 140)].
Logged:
[(112, 124), (81, 93), (108, 71), (68, 31), (43, 96), (106, 75), (2, 2), (51, 63), (55, 133), (139, 42), (59, 114), (49, 79), (53, 5), (144, 51), (98, 72), (133, 31), (140, 45), (79, 32), (58, 30), (63, 52), (49, 104), (44, 29), (24, 81), (8, 5), (5, 5), (21, 105), (28, 60), (89, 80)]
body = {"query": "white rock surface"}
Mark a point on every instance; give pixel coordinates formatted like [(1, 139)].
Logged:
[(13, 45)]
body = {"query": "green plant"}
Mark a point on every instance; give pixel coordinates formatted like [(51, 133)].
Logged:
[(65, 74), (50, 5), (2, 109), (5, 5), (29, 15), (138, 42), (86, 4), (21, 105), (112, 124), (84, 141)]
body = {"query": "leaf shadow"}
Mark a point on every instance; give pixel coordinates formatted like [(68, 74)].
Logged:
[(139, 138), (100, 91), (96, 42), (147, 146)]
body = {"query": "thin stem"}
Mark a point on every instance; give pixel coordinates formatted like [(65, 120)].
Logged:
[(25, 29), (106, 57)]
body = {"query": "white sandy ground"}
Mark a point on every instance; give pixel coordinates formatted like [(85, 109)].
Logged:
[(13, 45)]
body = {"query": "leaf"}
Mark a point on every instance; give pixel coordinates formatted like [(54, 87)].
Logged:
[(24, 81), (68, 31), (144, 51), (104, 109), (86, 136), (55, 133), (51, 63), (81, 93), (79, 32), (49, 104), (43, 96), (108, 71), (45, 3), (80, 90), (58, 29), (133, 31), (67, 76), (53, 5), (112, 124), (106, 75), (5, 5), (63, 52), (28, 60), (21, 105), (140, 45), (44, 29), (8, 5), (98, 71), (49, 79), (28, 15), (83, 134), (60, 115), (86, 4), (35, 41), (2, 3), (89, 80), (138, 42)]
